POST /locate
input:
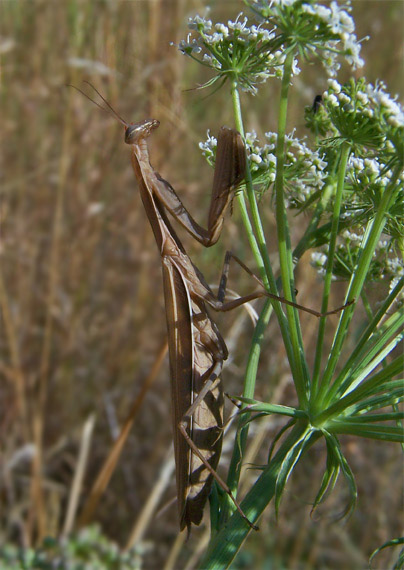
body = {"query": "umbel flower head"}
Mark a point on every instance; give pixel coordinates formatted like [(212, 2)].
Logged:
[(236, 51), (249, 53), (313, 30), (371, 122)]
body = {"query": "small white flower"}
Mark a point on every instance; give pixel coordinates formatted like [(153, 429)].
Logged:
[(222, 29), (362, 97), (343, 98), (295, 67), (334, 85), (318, 259), (368, 112), (283, 2), (196, 22), (396, 266), (238, 26), (351, 237), (189, 46), (372, 165), (356, 163), (209, 145), (258, 32), (256, 158), (353, 48), (396, 121), (333, 101)]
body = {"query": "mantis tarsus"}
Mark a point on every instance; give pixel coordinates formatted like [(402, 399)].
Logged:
[(196, 348)]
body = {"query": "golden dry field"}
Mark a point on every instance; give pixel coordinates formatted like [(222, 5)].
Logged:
[(83, 328)]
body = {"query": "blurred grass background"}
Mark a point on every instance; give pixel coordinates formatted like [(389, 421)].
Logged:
[(80, 280)]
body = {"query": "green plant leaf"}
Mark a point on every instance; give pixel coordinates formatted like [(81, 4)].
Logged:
[(393, 542), (289, 462), (334, 445)]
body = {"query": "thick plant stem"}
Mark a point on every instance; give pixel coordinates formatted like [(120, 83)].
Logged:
[(298, 364), (257, 241), (259, 249), (258, 244)]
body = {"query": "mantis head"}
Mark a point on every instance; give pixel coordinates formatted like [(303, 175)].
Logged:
[(137, 131), (134, 132)]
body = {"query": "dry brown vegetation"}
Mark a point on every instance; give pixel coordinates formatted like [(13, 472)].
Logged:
[(80, 285)]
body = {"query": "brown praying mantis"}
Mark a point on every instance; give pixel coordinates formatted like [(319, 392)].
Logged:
[(196, 348)]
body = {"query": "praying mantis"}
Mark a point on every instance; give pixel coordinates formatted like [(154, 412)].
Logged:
[(196, 348)]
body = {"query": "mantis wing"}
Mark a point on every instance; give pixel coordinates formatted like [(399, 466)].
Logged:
[(193, 340)]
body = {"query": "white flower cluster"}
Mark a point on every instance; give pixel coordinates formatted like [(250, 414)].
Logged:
[(341, 24), (236, 47), (373, 98), (352, 238), (366, 170), (348, 249), (245, 33), (199, 23), (396, 269), (319, 262), (264, 7), (208, 147), (305, 170), (283, 2), (369, 168), (332, 29), (365, 178), (392, 109), (336, 97), (242, 30)]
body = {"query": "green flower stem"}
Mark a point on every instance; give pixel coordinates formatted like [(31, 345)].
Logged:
[(370, 240), (227, 542), (258, 245), (260, 252), (298, 364), (345, 150)]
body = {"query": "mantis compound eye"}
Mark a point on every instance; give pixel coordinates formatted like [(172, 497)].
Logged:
[(138, 131)]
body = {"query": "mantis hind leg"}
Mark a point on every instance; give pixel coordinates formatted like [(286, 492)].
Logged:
[(220, 305)]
